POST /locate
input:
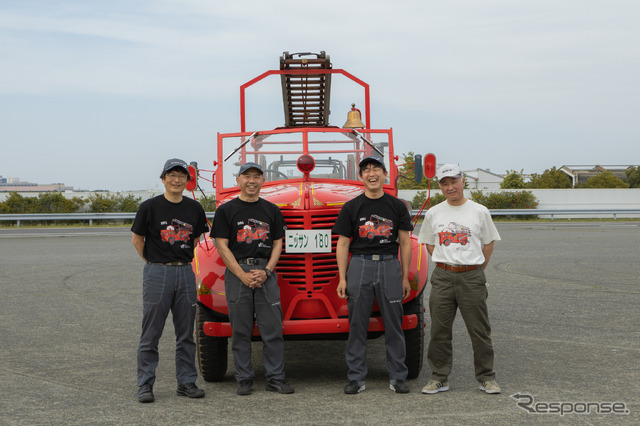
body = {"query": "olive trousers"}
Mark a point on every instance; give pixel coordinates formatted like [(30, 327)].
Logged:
[(466, 291)]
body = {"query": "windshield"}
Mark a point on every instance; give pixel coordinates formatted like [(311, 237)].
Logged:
[(336, 153)]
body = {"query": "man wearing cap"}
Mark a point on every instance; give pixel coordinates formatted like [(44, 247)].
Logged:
[(248, 231), (373, 227), (164, 232), (459, 235)]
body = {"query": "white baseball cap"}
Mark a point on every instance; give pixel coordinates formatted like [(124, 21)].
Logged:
[(449, 170)]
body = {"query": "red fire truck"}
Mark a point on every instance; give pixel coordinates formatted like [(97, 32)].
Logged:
[(311, 170), (454, 233), (255, 230), (177, 231), (376, 226)]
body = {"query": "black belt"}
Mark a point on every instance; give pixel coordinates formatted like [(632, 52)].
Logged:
[(176, 263), (459, 268), (252, 260), (377, 257)]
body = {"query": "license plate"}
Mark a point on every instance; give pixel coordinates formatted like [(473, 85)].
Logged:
[(308, 241)]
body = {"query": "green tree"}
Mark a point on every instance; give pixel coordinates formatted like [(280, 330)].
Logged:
[(604, 180), (101, 203), (551, 178), (513, 180), (16, 203), (418, 200), (633, 177), (129, 204), (55, 202), (507, 200), (208, 204)]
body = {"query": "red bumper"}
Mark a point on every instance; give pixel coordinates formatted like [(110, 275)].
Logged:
[(317, 326)]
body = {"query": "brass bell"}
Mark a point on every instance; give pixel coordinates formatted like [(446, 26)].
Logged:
[(354, 120)]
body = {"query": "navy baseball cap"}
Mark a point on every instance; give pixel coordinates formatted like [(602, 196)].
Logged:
[(176, 162), (250, 165), (371, 159)]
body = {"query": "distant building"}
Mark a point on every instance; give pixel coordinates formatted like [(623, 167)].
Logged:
[(580, 174), (482, 179), (15, 184)]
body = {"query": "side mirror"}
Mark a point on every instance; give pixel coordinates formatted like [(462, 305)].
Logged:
[(417, 168)]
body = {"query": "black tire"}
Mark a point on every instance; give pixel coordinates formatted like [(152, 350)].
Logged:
[(212, 351), (414, 338)]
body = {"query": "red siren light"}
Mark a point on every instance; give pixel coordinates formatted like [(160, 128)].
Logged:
[(429, 166), (306, 163), (192, 184)]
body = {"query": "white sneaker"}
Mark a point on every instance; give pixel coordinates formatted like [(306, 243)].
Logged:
[(435, 386), (490, 386)]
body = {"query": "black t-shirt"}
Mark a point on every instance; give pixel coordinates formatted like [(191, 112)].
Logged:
[(169, 228), (373, 224), (250, 228)]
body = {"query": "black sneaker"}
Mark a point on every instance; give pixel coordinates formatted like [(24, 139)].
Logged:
[(279, 385), (399, 387), (244, 387), (190, 390), (145, 394), (353, 387)]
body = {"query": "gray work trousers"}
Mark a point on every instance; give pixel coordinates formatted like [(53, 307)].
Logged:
[(264, 303), (466, 291), (167, 288), (369, 280)]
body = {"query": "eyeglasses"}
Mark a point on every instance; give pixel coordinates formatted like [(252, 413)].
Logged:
[(178, 176)]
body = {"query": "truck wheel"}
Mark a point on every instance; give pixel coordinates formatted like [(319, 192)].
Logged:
[(370, 235), (212, 351), (248, 240), (446, 242), (414, 338)]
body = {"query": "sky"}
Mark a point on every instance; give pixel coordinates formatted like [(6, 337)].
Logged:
[(97, 94)]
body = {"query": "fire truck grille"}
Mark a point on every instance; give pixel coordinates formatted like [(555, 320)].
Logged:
[(309, 271)]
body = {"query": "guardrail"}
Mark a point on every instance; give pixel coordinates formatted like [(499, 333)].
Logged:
[(563, 212), (90, 217)]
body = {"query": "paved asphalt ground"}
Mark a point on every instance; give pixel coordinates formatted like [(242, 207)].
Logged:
[(564, 304)]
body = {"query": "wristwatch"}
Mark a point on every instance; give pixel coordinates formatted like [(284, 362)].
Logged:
[(268, 272)]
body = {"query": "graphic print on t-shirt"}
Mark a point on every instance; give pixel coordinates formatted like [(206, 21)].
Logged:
[(177, 231), (376, 226), (454, 233), (254, 230)]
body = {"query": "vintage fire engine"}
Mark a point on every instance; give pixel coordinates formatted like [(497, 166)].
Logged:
[(376, 226), (255, 230), (177, 231), (454, 233), (311, 170)]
